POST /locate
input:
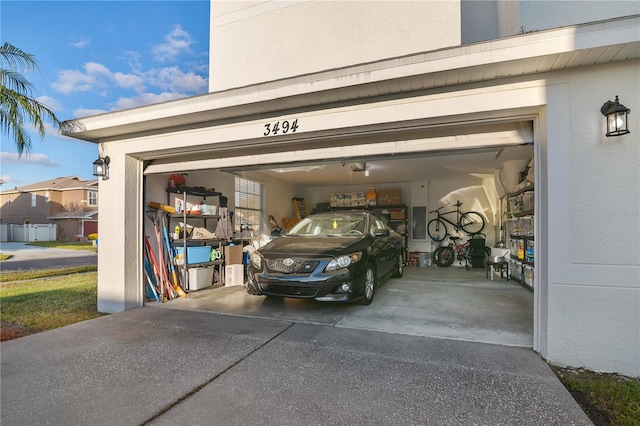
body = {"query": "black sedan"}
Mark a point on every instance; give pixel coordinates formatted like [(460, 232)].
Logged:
[(330, 257)]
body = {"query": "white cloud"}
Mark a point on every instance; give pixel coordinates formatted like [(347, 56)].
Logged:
[(146, 99), (94, 68), (176, 42), (70, 81), (82, 42), (130, 81), (28, 159), (51, 103), (174, 79), (5, 179), (95, 76), (86, 112)]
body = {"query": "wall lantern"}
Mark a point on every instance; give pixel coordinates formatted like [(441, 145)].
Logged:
[(101, 167), (617, 118)]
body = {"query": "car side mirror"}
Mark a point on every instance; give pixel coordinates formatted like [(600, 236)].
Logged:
[(381, 233)]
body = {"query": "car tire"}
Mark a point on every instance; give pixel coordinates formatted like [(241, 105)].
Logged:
[(400, 267), (370, 283), (251, 290)]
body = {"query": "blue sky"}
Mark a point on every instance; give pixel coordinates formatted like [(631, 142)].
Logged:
[(100, 56)]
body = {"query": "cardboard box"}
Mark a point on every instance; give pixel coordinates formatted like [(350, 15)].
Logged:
[(396, 214), (233, 255), (200, 278), (389, 196), (348, 199), (233, 275)]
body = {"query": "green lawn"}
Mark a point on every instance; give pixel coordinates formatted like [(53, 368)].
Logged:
[(44, 304)]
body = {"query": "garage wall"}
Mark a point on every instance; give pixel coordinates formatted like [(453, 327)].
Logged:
[(277, 197), (475, 193)]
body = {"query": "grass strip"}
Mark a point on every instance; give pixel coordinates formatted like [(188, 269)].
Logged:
[(71, 245), (51, 303), (616, 397), (43, 273)]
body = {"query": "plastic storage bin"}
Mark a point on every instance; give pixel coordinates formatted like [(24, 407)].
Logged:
[(200, 254), (528, 275), (200, 278)]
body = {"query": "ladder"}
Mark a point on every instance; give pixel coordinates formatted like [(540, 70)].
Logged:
[(299, 207)]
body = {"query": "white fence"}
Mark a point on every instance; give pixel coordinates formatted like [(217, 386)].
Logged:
[(27, 233)]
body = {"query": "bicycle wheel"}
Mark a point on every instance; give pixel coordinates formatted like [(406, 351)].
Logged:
[(472, 223), (437, 230), (444, 256)]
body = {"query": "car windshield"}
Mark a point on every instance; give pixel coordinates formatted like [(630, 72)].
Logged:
[(331, 225)]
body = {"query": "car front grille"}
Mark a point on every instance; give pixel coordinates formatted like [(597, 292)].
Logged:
[(299, 266), (291, 291)]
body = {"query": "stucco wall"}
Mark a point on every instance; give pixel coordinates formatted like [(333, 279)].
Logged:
[(320, 35), (593, 274)]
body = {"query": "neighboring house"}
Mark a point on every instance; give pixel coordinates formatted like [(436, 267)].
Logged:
[(68, 202), (354, 81)]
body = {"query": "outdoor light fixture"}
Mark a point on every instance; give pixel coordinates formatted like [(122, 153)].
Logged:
[(617, 118), (101, 167)]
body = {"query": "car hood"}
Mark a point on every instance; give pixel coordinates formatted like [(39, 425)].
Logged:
[(312, 246)]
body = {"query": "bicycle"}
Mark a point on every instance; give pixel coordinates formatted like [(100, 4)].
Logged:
[(445, 256), (470, 222)]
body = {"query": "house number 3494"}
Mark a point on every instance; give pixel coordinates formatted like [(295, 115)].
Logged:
[(280, 126)]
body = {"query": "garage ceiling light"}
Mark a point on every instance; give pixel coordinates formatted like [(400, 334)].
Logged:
[(359, 167)]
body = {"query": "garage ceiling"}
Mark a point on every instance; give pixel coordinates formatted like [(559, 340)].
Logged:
[(443, 165)]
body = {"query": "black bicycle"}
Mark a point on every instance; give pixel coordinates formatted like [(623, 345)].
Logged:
[(470, 222)]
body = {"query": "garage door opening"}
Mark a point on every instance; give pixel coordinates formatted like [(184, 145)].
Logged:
[(450, 302)]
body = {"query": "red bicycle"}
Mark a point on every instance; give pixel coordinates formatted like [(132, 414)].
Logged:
[(474, 248)]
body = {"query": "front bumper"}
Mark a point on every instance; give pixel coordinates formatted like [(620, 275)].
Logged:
[(323, 287)]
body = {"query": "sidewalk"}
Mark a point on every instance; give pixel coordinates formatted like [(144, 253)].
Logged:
[(162, 366)]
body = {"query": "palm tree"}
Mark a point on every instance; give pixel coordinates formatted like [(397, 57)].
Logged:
[(17, 105)]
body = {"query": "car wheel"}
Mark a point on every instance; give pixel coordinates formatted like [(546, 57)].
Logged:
[(370, 282), (251, 290), (400, 270)]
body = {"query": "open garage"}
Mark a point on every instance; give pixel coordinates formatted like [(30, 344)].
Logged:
[(426, 170)]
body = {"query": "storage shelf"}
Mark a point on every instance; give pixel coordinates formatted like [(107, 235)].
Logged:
[(520, 191), (200, 265), (193, 216)]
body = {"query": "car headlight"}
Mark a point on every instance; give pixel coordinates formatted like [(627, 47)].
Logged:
[(343, 261), (256, 260)]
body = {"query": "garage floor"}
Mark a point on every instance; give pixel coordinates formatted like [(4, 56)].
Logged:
[(450, 303)]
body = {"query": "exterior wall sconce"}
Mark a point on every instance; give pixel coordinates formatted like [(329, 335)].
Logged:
[(617, 118), (101, 167)]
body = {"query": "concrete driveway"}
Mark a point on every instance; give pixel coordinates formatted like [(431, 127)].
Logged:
[(452, 303), (177, 367), (26, 257)]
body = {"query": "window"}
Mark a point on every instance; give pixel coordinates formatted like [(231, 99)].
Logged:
[(9, 199), (248, 207), (46, 197), (34, 197), (93, 198)]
